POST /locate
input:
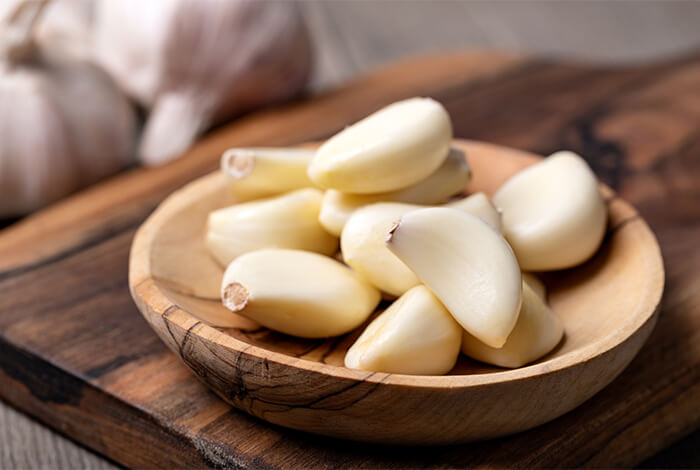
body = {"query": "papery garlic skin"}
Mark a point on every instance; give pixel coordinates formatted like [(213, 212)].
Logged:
[(478, 204), (66, 25), (466, 264), (63, 124), (287, 221), (363, 246), (536, 333), (535, 284), (416, 335), (194, 63), (449, 179), (393, 148), (554, 215), (260, 172), (298, 293)]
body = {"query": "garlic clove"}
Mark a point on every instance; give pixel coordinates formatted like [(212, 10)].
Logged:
[(287, 221), (336, 209), (478, 204), (259, 172), (536, 333), (363, 240), (554, 216), (535, 284), (449, 179), (393, 148), (364, 250), (466, 264), (174, 122), (298, 293), (415, 335)]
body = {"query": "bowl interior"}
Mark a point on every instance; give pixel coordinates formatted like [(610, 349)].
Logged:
[(593, 300)]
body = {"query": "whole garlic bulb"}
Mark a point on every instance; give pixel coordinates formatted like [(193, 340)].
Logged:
[(193, 63), (63, 122)]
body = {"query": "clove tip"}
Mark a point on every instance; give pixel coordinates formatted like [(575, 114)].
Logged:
[(238, 163), (390, 234), (235, 297)]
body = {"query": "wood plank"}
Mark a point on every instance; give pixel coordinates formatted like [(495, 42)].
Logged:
[(75, 353)]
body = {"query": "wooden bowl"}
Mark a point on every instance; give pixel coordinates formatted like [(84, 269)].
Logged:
[(607, 305)]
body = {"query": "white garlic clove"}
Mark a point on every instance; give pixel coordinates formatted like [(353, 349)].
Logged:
[(173, 124), (336, 209), (298, 293), (478, 204), (449, 179), (391, 149), (535, 284), (260, 172), (536, 333), (363, 245), (466, 264), (287, 221), (415, 335), (363, 241), (554, 216)]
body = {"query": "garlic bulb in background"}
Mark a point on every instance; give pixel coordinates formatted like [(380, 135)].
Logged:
[(193, 63), (63, 122), (65, 25)]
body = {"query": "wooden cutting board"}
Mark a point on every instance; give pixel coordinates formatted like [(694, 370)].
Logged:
[(76, 354)]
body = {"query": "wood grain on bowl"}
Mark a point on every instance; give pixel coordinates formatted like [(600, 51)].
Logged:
[(77, 355), (608, 307)]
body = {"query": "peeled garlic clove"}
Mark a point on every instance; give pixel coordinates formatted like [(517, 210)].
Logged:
[(415, 335), (536, 333), (479, 205), (449, 179), (554, 216), (259, 172), (363, 240), (336, 209), (466, 264), (288, 221), (391, 149), (535, 284), (363, 247), (298, 293)]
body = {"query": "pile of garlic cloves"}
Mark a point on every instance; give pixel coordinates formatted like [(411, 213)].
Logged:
[(388, 191)]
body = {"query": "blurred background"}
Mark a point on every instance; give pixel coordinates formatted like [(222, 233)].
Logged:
[(352, 36), (309, 47), (149, 78)]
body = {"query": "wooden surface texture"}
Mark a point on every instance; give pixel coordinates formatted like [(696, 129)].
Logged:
[(75, 353)]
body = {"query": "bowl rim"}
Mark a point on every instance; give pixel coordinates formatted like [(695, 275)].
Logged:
[(143, 285)]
